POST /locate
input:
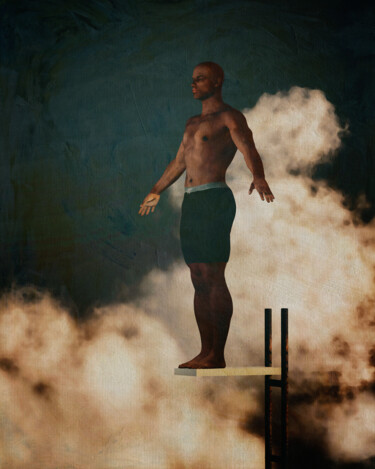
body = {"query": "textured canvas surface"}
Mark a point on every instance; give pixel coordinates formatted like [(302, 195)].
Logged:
[(96, 302)]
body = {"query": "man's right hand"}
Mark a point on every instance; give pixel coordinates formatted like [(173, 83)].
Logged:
[(149, 203)]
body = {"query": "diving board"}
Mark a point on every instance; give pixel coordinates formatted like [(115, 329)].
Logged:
[(239, 371)]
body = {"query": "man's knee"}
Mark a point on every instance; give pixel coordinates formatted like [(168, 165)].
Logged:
[(205, 275)]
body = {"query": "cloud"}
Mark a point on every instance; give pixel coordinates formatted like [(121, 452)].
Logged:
[(297, 128), (102, 394)]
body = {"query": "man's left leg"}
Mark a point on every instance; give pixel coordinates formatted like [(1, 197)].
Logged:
[(221, 310)]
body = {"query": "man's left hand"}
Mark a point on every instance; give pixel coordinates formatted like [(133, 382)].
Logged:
[(262, 187)]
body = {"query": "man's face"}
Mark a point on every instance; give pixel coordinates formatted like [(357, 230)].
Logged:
[(203, 84)]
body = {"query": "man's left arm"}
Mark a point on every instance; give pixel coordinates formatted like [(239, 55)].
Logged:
[(242, 137)]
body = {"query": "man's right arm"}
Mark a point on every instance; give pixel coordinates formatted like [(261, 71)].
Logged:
[(172, 172)]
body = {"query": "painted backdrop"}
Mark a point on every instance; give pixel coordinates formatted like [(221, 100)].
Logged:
[(96, 302)]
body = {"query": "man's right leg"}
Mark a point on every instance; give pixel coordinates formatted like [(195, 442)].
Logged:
[(203, 314), (203, 309)]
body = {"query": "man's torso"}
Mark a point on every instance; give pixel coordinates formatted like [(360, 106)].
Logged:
[(208, 148)]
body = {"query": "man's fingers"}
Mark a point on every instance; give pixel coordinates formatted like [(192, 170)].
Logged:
[(270, 196), (142, 210), (263, 190), (145, 207)]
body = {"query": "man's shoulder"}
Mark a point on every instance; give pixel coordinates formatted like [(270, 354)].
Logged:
[(233, 118), (192, 119), (232, 114)]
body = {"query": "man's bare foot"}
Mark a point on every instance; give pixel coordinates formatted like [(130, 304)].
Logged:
[(210, 361), (204, 361), (194, 361)]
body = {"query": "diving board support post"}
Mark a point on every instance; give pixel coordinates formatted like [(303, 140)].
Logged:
[(267, 388), (279, 383), (284, 388)]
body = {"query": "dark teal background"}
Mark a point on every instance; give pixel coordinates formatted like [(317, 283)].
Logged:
[(94, 97)]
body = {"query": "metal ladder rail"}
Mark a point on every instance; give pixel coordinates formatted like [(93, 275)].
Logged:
[(280, 383)]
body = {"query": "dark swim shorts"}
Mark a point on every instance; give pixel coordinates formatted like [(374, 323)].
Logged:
[(207, 216)]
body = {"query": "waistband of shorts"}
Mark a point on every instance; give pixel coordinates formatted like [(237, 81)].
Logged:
[(203, 187)]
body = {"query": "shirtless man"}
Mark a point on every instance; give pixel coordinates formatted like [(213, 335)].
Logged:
[(209, 144)]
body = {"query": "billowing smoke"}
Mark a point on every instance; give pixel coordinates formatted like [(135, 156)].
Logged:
[(102, 394)]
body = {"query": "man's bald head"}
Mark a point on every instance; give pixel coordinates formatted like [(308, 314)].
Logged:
[(215, 71)]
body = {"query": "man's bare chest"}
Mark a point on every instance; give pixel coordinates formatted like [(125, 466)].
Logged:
[(208, 131)]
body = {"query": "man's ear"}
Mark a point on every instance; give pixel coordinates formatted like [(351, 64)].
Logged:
[(218, 82)]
